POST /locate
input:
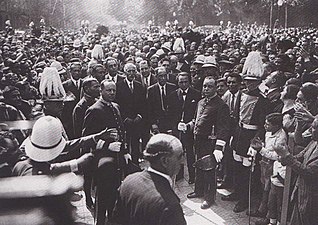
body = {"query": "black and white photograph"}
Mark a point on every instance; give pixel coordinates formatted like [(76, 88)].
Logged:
[(158, 112)]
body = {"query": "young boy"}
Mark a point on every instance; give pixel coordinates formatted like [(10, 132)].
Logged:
[(273, 185)]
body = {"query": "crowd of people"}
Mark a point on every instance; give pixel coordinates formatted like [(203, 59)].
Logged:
[(239, 94)]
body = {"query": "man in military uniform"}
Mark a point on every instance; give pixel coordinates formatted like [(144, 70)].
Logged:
[(211, 131), (253, 109)]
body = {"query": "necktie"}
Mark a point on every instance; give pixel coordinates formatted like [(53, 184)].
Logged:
[(146, 82), (232, 104), (131, 87), (163, 98)]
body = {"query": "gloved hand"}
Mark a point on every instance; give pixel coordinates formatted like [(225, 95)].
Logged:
[(218, 154), (251, 152), (127, 157), (114, 146)]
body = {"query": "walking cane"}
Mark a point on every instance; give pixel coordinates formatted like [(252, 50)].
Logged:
[(249, 189)]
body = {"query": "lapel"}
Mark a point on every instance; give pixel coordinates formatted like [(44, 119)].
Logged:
[(238, 102), (312, 154)]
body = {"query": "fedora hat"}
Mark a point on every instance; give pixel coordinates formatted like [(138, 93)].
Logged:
[(46, 141)]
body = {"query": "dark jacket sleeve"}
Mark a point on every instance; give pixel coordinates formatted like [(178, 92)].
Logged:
[(222, 126)]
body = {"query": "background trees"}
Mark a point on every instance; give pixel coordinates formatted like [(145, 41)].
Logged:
[(69, 13)]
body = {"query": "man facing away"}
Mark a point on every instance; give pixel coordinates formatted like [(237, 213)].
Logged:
[(147, 197)]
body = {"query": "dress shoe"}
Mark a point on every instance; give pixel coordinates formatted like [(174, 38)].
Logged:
[(240, 207), (231, 197), (256, 213), (263, 221), (194, 195), (206, 205)]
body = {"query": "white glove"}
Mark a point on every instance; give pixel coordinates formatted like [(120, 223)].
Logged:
[(182, 127), (251, 152), (127, 157), (114, 146), (218, 154)]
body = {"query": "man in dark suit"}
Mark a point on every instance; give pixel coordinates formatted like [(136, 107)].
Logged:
[(147, 78), (131, 97), (232, 98), (182, 104), (211, 132), (157, 100), (171, 77), (91, 90), (73, 89), (147, 197), (105, 113), (111, 65)]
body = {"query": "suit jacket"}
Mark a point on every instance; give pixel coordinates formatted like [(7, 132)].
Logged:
[(79, 114), (69, 86), (101, 116), (119, 77), (235, 114), (182, 110), (156, 114), (69, 106), (131, 104), (305, 164), (147, 198), (140, 78)]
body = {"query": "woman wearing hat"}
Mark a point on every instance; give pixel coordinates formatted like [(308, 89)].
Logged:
[(46, 144)]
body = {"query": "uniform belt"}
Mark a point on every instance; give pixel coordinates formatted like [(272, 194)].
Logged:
[(248, 126)]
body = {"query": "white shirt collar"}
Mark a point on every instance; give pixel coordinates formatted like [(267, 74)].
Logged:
[(111, 78), (161, 174)]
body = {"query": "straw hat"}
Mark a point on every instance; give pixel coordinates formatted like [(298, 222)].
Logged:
[(46, 141)]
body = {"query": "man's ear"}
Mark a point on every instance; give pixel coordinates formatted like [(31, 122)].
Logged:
[(164, 161)]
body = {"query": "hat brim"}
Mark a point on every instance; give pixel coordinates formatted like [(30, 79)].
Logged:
[(198, 62), (251, 78), (43, 155), (209, 65), (168, 49), (62, 71)]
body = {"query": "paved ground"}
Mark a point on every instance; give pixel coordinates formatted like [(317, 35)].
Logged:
[(219, 214)]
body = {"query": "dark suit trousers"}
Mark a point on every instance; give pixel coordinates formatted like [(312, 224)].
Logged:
[(205, 181), (133, 136), (107, 180), (187, 142)]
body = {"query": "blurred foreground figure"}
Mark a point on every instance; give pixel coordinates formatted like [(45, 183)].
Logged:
[(38, 200), (147, 197)]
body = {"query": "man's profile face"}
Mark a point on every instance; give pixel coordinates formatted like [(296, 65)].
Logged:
[(174, 159), (109, 91), (94, 89)]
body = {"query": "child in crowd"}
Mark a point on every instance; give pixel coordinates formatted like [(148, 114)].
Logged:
[(272, 179)]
